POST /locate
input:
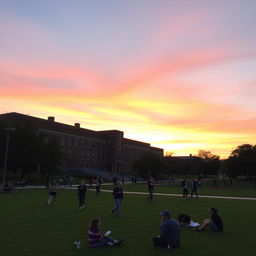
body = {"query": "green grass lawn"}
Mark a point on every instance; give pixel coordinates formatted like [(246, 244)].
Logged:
[(205, 190), (28, 227)]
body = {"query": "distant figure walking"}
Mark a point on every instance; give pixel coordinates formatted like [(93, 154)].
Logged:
[(184, 185), (98, 184), (194, 186), (52, 193), (118, 197), (81, 191), (150, 189)]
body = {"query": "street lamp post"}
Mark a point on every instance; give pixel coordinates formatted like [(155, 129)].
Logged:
[(8, 130)]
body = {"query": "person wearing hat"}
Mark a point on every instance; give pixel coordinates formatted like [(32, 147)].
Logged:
[(169, 232)]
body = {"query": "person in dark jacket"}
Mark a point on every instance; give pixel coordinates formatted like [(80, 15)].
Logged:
[(81, 190), (169, 232), (150, 189), (98, 184), (118, 197), (214, 222), (194, 186)]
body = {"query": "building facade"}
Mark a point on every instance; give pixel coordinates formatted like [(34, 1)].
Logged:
[(84, 148)]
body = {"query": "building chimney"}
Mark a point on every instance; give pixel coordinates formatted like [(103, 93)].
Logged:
[(77, 125), (51, 119)]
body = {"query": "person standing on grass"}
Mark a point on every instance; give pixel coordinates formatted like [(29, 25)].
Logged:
[(184, 185), (96, 240), (150, 189), (169, 232), (214, 222), (118, 197), (81, 191), (194, 186), (98, 184), (52, 193)]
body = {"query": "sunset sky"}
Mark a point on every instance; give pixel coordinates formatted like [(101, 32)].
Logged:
[(178, 74)]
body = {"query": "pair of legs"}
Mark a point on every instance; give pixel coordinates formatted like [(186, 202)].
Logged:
[(185, 192), (51, 199), (81, 201), (117, 207), (194, 191), (98, 190), (150, 197), (108, 241), (208, 223)]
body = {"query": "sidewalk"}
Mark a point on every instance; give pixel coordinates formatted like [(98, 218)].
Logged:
[(155, 194)]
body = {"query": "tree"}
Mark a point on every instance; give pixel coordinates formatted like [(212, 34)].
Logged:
[(150, 164), (242, 161), (211, 162)]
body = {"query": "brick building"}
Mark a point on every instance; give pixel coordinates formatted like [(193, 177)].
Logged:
[(84, 148)]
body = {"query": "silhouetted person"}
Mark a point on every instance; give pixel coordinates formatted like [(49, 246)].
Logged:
[(194, 185), (81, 191), (98, 184), (184, 185), (150, 189)]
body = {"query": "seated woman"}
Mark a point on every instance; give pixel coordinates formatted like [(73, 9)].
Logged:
[(97, 240), (214, 222)]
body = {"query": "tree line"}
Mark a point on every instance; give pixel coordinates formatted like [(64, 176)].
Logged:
[(241, 162), (33, 151)]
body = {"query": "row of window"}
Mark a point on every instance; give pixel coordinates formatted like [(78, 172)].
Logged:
[(134, 150), (87, 155), (73, 141)]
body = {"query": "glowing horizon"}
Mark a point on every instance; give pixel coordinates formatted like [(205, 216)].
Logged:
[(180, 76)]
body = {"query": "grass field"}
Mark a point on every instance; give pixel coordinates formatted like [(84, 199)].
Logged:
[(205, 190), (28, 227)]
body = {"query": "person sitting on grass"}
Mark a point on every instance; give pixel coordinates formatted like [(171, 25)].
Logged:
[(97, 240), (214, 222), (169, 232)]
